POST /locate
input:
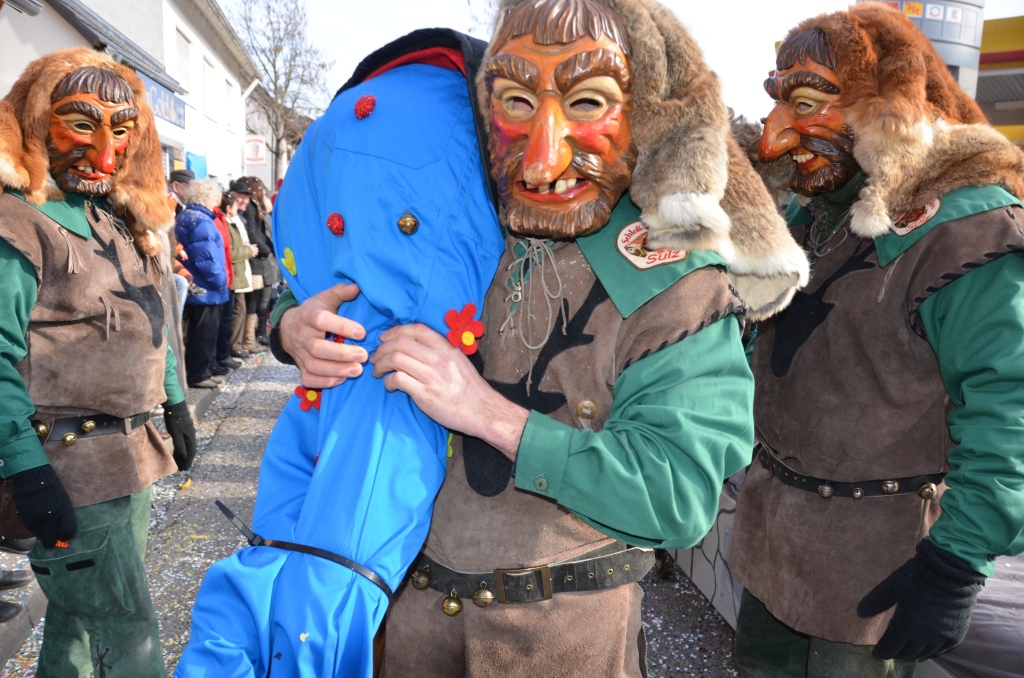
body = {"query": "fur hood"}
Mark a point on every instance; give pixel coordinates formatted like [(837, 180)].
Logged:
[(693, 184), (917, 134), (139, 188)]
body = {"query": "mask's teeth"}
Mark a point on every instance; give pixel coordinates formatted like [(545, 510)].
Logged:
[(569, 183), (560, 186), (545, 189)]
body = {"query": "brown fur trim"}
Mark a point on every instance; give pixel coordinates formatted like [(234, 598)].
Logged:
[(695, 189), (24, 126), (917, 134)]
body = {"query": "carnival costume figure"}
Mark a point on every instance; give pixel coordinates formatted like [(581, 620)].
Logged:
[(610, 396), (387, 191), (83, 198), (889, 394)]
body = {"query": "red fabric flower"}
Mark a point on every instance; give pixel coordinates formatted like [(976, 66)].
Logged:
[(365, 105), (337, 339), (310, 397), (464, 330), (336, 224)]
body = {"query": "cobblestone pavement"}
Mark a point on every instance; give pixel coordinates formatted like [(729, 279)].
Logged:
[(685, 635)]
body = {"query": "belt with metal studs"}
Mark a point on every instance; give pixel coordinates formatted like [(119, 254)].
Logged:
[(607, 567), (925, 487), (70, 429)]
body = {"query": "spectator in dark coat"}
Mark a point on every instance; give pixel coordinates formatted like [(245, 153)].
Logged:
[(206, 262), (264, 266)]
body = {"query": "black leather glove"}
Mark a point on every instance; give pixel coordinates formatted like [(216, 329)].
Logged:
[(934, 593), (178, 423), (44, 506)]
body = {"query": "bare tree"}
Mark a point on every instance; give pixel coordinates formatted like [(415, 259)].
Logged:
[(482, 13), (292, 71)]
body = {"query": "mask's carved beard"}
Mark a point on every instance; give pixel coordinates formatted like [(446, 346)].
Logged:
[(841, 167), (72, 183), (557, 221)]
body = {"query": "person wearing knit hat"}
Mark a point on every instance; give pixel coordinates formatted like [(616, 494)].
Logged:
[(86, 356), (889, 395), (614, 395)]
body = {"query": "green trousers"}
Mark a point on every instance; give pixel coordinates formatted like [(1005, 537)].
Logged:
[(767, 648), (100, 618)]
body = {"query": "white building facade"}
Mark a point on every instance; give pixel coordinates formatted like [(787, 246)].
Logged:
[(195, 68)]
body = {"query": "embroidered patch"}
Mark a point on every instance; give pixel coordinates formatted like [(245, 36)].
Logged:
[(906, 222), (288, 260), (631, 242)]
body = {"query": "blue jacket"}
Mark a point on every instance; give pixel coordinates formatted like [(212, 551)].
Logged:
[(204, 246)]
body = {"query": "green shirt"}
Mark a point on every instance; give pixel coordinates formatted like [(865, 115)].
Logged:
[(680, 423), (20, 448)]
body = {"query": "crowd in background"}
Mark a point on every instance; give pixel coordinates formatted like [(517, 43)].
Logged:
[(225, 272)]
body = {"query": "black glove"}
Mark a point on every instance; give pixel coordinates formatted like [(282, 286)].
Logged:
[(178, 423), (934, 593), (44, 505)]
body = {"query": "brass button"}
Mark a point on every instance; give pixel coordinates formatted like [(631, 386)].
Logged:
[(541, 484), (857, 493), (88, 426), (890, 487), (420, 580), (927, 491), (408, 224), (69, 438), (826, 491), (529, 587), (587, 409), (42, 430)]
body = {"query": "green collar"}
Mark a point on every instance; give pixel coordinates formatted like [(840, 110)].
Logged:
[(630, 273), (69, 213), (835, 204), (963, 202)]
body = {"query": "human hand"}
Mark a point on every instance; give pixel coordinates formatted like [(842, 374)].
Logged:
[(255, 250), (323, 363), (934, 593), (444, 384), (44, 506)]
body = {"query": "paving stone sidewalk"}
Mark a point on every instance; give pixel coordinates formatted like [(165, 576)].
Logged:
[(686, 636)]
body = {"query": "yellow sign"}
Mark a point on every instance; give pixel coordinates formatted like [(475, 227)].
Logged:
[(914, 9)]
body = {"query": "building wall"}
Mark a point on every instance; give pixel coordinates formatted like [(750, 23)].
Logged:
[(25, 38), (214, 112), (140, 20)]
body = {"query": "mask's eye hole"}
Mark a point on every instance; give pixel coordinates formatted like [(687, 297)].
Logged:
[(586, 105), (517, 104), (83, 127)]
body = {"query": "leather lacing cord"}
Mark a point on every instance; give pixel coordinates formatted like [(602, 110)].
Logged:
[(74, 260), (538, 257), (111, 310)]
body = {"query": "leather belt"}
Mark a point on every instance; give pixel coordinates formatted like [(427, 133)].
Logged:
[(87, 426), (257, 540), (925, 486), (591, 572)]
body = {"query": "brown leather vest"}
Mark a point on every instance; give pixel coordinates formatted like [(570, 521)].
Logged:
[(508, 527), (848, 389), (95, 345)]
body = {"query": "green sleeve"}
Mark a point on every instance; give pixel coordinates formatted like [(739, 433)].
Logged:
[(681, 422), (172, 389), (19, 446), (976, 327), (284, 302)]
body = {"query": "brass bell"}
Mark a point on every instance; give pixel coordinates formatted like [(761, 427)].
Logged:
[(927, 491), (451, 605), (586, 409), (482, 597), (88, 426), (890, 487), (408, 225), (42, 430), (857, 493), (420, 580), (69, 438), (826, 491)]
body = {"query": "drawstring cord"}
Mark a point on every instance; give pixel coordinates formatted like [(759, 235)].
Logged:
[(111, 309), (74, 260), (538, 256)]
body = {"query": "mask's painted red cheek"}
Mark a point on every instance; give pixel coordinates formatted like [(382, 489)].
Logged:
[(121, 145), (608, 133), (829, 118)]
